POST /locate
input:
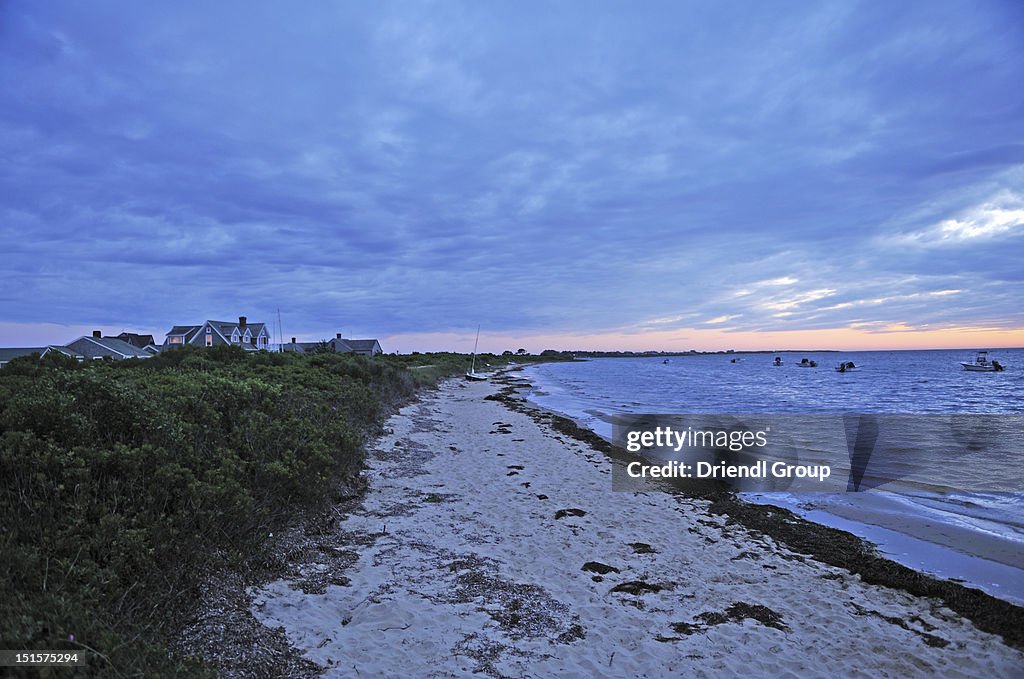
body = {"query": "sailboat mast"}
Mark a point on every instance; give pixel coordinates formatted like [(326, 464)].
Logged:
[(475, 345), (280, 331)]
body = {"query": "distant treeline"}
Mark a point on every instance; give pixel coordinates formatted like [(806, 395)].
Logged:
[(124, 484)]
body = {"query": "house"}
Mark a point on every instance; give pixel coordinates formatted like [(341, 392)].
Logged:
[(144, 342), (248, 336), (140, 341), (9, 354), (63, 350), (336, 345), (361, 347), (365, 347), (98, 346)]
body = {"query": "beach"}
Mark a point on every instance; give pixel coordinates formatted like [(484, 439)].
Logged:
[(489, 542)]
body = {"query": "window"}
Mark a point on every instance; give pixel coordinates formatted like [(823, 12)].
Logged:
[(209, 340), (175, 340)]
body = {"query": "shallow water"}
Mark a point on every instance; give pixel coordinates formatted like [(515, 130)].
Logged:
[(942, 528)]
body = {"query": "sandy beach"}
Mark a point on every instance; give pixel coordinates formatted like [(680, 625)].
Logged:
[(488, 543)]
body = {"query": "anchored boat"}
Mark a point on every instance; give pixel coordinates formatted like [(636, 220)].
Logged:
[(981, 364)]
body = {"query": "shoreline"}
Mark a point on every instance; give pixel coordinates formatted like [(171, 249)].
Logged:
[(489, 541), (969, 537), (827, 543)]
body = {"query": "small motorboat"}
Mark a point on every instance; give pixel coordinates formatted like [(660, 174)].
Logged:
[(981, 364), (804, 363), (735, 360), (845, 367), (665, 362), (777, 362)]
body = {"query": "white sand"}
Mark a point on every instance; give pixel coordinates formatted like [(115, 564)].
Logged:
[(487, 580)]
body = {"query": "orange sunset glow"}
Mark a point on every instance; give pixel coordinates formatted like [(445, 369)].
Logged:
[(890, 337)]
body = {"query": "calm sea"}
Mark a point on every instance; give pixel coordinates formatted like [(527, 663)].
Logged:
[(971, 536)]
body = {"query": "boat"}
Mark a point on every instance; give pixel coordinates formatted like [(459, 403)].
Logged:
[(845, 367), (804, 363), (777, 362), (735, 360), (981, 364), (472, 375)]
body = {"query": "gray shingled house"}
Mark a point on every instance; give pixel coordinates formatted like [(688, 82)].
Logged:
[(98, 346), (365, 347), (8, 354), (361, 347), (137, 340), (248, 336)]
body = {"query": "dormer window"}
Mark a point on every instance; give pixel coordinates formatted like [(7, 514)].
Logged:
[(234, 336)]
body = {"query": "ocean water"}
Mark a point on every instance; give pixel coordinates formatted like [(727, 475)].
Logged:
[(976, 537)]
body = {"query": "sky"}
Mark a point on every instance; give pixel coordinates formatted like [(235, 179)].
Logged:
[(571, 175)]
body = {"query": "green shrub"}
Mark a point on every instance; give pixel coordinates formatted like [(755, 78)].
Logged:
[(123, 484)]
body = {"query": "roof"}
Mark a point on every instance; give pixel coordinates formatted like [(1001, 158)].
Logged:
[(136, 339), (64, 350), (183, 330), (362, 344), (10, 353), (341, 346), (336, 344), (312, 346), (223, 327), (226, 327), (116, 345)]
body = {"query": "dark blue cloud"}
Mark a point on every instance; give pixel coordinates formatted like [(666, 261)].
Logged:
[(403, 167)]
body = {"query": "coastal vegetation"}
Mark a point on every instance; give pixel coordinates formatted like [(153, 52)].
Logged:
[(124, 484)]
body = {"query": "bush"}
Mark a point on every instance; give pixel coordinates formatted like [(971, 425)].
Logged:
[(123, 484)]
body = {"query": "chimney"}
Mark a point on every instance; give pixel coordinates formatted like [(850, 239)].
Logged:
[(97, 334), (293, 340), (241, 322), (338, 335)]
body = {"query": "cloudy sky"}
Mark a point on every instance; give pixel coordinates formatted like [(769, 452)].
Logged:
[(568, 175)]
